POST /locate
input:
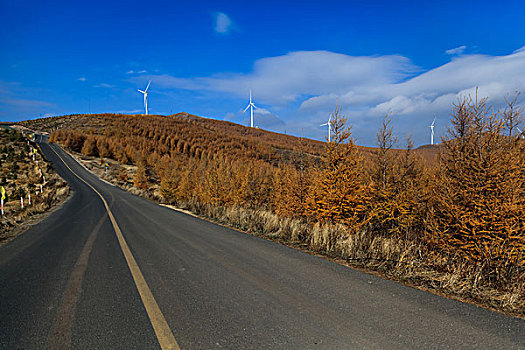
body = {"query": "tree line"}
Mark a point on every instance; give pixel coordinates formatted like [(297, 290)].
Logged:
[(469, 205)]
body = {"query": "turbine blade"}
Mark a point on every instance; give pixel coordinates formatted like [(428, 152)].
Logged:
[(253, 105), (247, 108), (148, 86), (141, 91)]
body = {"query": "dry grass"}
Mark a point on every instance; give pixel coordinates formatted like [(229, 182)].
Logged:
[(20, 175), (398, 258), (56, 191), (392, 257)]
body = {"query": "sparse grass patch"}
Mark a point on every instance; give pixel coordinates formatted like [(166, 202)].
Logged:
[(21, 176)]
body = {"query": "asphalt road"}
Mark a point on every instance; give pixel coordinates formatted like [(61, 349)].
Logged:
[(69, 282)]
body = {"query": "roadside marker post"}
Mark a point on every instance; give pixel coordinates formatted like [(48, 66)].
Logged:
[(2, 191), (29, 198), (106, 166), (40, 188), (22, 202)]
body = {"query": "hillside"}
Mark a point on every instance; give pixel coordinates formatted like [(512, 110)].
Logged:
[(194, 135), (186, 134), (27, 175)]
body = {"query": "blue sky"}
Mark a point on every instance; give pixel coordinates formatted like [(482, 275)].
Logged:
[(410, 59)]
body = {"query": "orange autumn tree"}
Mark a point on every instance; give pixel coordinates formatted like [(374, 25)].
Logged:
[(339, 193), (385, 210), (291, 184), (479, 207), (288, 191), (397, 189), (140, 179)]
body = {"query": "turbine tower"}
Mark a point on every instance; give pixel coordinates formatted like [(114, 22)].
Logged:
[(145, 93), (329, 123), (432, 132), (251, 106)]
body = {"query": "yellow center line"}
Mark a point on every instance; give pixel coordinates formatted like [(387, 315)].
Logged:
[(160, 326)]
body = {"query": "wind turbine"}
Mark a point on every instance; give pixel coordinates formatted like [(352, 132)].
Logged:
[(432, 132), (145, 93), (521, 133), (251, 106), (329, 123)]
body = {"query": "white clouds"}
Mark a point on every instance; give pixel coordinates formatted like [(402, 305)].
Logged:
[(263, 118), (261, 111), (131, 71), (14, 94), (434, 91), (25, 103), (456, 51), (82, 79), (104, 85), (129, 111), (14, 100), (223, 23), (306, 85), (287, 78)]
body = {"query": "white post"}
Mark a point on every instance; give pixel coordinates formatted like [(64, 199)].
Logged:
[(40, 188), (29, 198), (2, 206), (22, 202), (44, 178)]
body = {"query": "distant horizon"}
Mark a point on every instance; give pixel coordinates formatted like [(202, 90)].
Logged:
[(396, 146), (300, 59)]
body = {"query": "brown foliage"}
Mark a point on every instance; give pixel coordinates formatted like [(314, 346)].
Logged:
[(479, 206), (140, 180), (397, 187), (339, 195), (470, 205)]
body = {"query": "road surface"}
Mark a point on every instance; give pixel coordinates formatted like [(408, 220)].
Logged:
[(148, 277)]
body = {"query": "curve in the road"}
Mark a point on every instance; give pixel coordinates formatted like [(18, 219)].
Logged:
[(162, 330), (216, 287)]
